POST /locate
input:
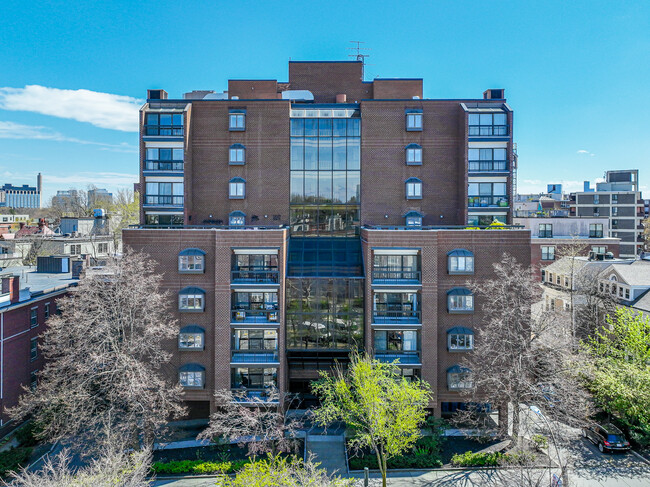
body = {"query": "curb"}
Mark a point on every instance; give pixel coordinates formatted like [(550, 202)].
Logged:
[(640, 457), (453, 469)]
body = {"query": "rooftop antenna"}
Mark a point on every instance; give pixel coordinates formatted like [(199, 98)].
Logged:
[(359, 56)]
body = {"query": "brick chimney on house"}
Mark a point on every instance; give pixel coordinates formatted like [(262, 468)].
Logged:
[(11, 286)]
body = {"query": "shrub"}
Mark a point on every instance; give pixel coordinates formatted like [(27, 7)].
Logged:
[(469, 459), (197, 467), (26, 435), (540, 441), (13, 459)]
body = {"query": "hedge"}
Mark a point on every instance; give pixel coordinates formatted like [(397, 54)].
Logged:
[(197, 467)]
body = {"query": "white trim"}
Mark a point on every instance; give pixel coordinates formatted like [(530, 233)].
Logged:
[(487, 145), (396, 251), (163, 145), (164, 213), (489, 213), (256, 251), (238, 289), (163, 179), (487, 179), (412, 290)]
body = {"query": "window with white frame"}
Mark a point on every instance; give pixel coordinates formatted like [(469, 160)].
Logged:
[(192, 376), (599, 249), (460, 338), (237, 154), (595, 230), (459, 378), (191, 261), (191, 299), (191, 337), (237, 189), (548, 252), (545, 230), (460, 261), (413, 189), (460, 300), (237, 121), (414, 120), (413, 155)]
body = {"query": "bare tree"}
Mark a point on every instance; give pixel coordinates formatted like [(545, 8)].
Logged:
[(262, 424), (113, 469), (103, 358), (74, 204), (520, 358)]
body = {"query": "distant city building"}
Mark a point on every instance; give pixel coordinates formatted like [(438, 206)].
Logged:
[(99, 197), (24, 196), (619, 200)]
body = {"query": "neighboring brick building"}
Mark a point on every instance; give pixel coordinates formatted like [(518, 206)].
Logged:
[(27, 299), (301, 220)]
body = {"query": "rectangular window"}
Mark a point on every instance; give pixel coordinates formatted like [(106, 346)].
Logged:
[(254, 378), (237, 155), (548, 252), (595, 230), (413, 190), (413, 221), (627, 293), (414, 156), (396, 341), (192, 379), (460, 341), (487, 124), (545, 230), (460, 303), (47, 310), (614, 211), (166, 124), (33, 317), (237, 121), (191, 341), (414, 121), (237, 190), (191, 302), (599, 249), (459, 380), (164, 194), (615, 198), (33, 349), (487, 160), (162, 159), (395, 267), (189, 263), (255, 340), (461, 264), (33, 379)]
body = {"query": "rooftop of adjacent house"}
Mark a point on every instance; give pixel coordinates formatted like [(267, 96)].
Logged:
[(40, 282), (635, 274), (643, 302)]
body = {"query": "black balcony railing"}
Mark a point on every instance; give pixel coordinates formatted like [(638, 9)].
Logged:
[(487, 130), (176, 166), (396, 317), (165, 130), (265, 357), (163, 200), (487, 201), (255, 274), (252, 396), (393, 275), (255, 316), (487, 166)]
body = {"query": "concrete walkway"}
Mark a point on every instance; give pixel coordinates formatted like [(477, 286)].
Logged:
[(329, 450)]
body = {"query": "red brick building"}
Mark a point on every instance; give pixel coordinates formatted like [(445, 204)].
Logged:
[(27, 299), (297, 221)]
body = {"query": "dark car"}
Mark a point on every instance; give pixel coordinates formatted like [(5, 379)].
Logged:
[(606, 437)]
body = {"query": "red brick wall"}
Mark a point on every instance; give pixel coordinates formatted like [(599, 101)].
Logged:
[(387, 89), (326, 80), (487, 246), (164, 246)]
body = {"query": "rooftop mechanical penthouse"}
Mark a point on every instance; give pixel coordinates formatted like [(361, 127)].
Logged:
[(297, 221)]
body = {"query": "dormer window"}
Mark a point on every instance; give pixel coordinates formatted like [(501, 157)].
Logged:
[(191, 299), (191, 261), (237, 154), (460, 261), (237, 120), (460, 300), (414, 155), (191, 337)]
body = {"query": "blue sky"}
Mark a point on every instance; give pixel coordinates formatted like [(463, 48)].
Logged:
[(576, 73)]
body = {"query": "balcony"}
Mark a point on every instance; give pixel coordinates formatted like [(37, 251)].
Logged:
[(163, 130), (392, 275), (269, 314), (488, 130), (252, 397), (255, 358), (255, 275), (405, 317), (406, 358), (163, 166), (488, 201), (488, 166), (163, 200)]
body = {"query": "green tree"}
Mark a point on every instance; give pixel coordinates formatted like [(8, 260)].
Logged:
[(383, 410), (620, 377)]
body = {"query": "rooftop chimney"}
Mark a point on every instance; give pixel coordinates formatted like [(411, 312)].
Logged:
[(39, 182), (11, 285), (341, 98), (156, 95)]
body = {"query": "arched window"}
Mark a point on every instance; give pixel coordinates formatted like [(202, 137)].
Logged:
[(191, 337), (191, 300), (413, 189), (237, 189), (460, 300), (237, 219), (413, 219), (191, 261), (459, 378), (237, 155), (460, 338), (413, 154), (192, 376), (460, 261)]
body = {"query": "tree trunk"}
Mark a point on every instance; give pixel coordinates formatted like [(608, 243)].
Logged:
[(385, 472), (515, 424)]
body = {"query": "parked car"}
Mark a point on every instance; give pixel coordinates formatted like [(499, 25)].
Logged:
[(606, 437)]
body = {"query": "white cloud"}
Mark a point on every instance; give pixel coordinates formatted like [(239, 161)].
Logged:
[(585, 152), (103, 110), (99, 179), (11, 130)]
